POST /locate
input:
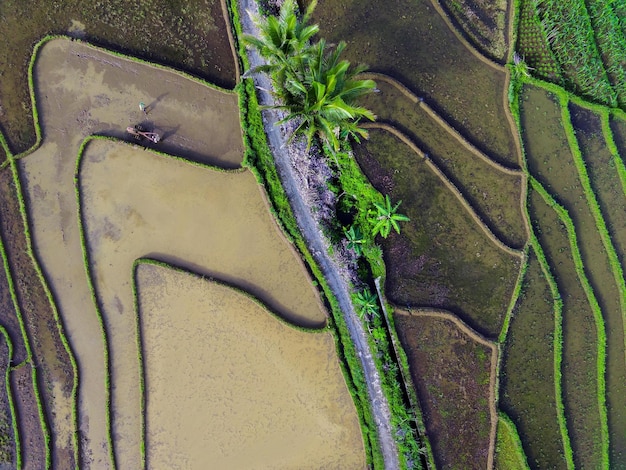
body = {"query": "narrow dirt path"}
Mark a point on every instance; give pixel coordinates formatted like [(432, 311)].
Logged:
[(315, 240)]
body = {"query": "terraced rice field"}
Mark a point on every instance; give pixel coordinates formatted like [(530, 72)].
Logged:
[(229, 385), (460, 415), (136, 275), (96, 204)]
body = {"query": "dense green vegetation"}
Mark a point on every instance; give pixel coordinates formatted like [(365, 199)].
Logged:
[(509, 453), (310, 82)]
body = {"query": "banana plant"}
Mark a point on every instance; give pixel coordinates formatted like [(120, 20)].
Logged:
[(386, 217), (366, 303), (355, 239)]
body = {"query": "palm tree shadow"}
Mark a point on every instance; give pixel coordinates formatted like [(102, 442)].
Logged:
[(157, 100)]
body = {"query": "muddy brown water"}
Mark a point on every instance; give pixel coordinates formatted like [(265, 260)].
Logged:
[(230, 386), (218, 222), (527, 392), (32, 439), (80, 91)]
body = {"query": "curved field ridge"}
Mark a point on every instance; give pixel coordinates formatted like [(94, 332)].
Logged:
[(414, 41), (210, 222), (80, 90), (494, 190), (434, 360), (442, 240), (229, 386), (459, 195)]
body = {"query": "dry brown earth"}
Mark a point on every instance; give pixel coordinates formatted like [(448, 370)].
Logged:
[(229, 386), (138, 204)]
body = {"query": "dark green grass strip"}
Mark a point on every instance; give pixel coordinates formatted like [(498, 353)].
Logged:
[(515, 97), (552, 161), (602, 189), (514, 298), (590, 438), (509, 451)]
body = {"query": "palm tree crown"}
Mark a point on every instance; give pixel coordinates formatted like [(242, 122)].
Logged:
[(311, 83)]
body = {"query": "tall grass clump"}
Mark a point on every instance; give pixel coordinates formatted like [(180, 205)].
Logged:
[(611, 42), (569, 32)]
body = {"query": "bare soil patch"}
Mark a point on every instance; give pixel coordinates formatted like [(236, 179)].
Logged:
[(229, 386)]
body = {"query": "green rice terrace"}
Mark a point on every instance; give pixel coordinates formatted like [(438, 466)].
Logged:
[(312, 234)]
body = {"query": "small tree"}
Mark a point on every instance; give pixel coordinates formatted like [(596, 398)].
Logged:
[(355, 239), (386, 217), (366, 303)]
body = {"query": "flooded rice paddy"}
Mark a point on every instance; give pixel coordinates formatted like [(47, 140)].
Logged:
[(609, 192), (492, 190), (88, 91), (232, 237), (527, 390), (550, 159), (580, 338), (33, 445), (230, 386), (442, 258), (410, 41), (452, 371), (185, 34)]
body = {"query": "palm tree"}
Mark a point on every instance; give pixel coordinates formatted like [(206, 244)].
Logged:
[(311, 83), (320, 93), (282, 39), (387, 217), (366, 303)]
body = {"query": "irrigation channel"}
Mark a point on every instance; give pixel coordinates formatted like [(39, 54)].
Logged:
[(278, 143)]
